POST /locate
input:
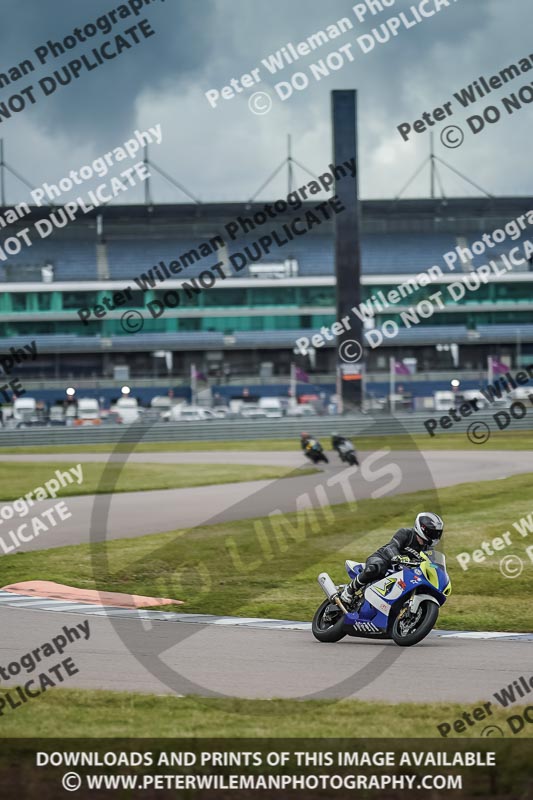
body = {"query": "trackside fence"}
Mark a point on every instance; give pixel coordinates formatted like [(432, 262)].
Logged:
[(243, 429)]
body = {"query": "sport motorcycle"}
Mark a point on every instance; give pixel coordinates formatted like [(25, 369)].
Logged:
[(402, 606)]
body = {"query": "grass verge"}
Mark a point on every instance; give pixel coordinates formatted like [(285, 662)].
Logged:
[(500, 440), (268, 567), (96, 714), (19, 477)]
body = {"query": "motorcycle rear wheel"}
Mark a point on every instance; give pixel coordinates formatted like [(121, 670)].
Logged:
[(425, 623), (325, 631)]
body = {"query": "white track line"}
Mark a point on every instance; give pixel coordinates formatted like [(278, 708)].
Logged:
[(12, 600)]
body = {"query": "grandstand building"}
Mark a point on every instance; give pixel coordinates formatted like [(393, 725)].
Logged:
[(71, 290)]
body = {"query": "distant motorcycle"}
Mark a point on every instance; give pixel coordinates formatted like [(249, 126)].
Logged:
[(345, 449), (402, 606), (314, 451)]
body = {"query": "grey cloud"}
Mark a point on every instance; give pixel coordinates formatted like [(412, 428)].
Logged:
[(102, 103), (228, 152)]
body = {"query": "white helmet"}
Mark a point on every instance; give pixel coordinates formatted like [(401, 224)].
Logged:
[(429, 527)]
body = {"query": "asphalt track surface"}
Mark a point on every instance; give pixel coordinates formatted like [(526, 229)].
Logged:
[(139, 513), (163, 658), (156, 656)]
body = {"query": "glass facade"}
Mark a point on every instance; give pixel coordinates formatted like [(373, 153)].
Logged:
[(256, 308)]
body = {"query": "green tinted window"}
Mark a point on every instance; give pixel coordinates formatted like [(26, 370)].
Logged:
[(44, 301), (77, 300), (225, 298)]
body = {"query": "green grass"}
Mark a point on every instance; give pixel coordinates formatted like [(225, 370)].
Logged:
[(162, 447), (96, 714), (20, 477), (500, 440), (268, 567)]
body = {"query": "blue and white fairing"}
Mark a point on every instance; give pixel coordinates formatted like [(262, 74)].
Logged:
[(372, 618)]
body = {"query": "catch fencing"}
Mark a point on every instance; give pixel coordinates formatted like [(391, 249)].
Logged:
[(247, 429)]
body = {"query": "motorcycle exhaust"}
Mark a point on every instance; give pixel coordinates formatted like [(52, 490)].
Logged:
[(328, 587), (330, 590)]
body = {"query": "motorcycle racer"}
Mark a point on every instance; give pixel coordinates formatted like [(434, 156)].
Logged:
[(426, 533), (312, 448), (337, 440), (345, 449), (307, 440)]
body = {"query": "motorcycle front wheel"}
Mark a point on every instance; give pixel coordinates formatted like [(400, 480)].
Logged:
[(331, 628), (409, 629)]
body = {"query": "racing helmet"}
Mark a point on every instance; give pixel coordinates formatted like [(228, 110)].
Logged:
[(304, 435), (429, 527)]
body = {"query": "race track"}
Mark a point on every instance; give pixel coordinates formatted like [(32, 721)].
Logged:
[(163, 656), (139, 513), (160, 657)]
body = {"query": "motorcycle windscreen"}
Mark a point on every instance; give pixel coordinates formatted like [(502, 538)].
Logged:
[(436, 557)]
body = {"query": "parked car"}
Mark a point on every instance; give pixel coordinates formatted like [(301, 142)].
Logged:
[(57, 415), (184, 413), (304, 410), (160, 407), (222, 412), (194, 414)]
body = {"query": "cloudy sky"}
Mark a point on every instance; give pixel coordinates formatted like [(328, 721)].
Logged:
[(226, 153)]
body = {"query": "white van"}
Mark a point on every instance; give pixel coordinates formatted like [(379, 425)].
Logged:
[(88, 412), (443, 401), (162, 402), (24, 411), (128, 410), (273, 407)]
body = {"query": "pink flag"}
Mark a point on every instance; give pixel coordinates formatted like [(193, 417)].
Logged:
[(400, 368), (497, 367)]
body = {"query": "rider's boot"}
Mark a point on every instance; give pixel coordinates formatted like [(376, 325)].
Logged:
[(352, 592)]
